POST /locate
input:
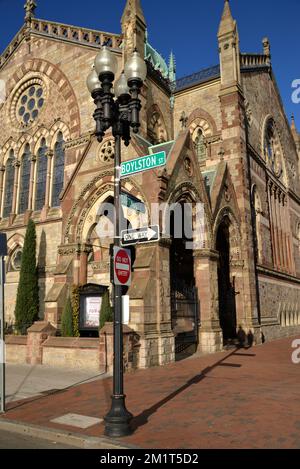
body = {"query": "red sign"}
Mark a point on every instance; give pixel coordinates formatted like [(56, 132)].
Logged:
[(122, 267)]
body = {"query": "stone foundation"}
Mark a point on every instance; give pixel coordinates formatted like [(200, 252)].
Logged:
[(156, 350), (210, 341)]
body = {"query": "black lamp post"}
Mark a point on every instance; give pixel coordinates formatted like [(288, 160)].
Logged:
[(120, 111)]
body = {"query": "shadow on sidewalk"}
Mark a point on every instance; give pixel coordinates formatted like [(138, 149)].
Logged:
[(142, 418), (13, 405)]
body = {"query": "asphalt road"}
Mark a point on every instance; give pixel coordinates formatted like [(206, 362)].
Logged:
[(16, 441)]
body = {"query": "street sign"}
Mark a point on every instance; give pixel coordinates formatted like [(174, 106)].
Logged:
[(145, 163), (122, 266), (147, 234)]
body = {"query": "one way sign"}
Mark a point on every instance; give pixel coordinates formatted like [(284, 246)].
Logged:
[(148, 234)]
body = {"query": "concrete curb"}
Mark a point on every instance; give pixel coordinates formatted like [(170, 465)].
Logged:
[(63, 437)]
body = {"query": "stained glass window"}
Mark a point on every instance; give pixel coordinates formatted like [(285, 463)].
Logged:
[(24, 180), (41, 176), (9, 185), (58, 170)]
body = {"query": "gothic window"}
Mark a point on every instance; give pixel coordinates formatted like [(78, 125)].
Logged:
[(272, 149), (9, 184), (41, 176), (58, 169), (25, 180), (200, 145), (156, 129)]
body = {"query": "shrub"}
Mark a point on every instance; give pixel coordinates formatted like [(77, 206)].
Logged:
[(106, 311), (67, 320), (27, 303)]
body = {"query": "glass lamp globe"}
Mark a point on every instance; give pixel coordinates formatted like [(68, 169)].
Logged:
[(92, 81), (135, 67), (106, 62), (121, 86)]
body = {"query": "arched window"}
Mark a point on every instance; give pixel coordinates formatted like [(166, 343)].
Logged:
[(41, 176), (25, 180), (156, 129), (9, 184), (272, 149), (58, 170), (15, 259), (200, 145)]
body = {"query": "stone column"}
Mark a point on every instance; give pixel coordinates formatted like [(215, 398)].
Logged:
[(85, 250), (17, 165), (49, 155), (2, 195), (206, 277), (31, 184), (37, 334)]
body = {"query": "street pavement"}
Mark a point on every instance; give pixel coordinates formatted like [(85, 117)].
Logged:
[(240, 398), (9, 440)]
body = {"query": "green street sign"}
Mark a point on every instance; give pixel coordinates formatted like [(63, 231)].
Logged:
[(145, 163)]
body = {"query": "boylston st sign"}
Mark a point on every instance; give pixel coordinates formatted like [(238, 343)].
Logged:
[(145, 163)]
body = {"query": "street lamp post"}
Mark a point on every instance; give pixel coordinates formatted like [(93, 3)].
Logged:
[(120, 111)]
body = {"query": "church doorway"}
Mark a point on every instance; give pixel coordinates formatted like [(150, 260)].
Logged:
[(227, 304), (184, 298)]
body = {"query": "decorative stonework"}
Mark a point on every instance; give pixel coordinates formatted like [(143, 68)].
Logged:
[(106, 152)]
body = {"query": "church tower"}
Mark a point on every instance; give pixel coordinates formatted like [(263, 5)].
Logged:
[(234, 140), (133, 28), (229, 49)]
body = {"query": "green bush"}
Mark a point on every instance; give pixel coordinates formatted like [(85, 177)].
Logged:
[(27, 303), (106, 311), (67, 320)]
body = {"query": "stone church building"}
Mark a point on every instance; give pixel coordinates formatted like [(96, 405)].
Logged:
[(229, 146)]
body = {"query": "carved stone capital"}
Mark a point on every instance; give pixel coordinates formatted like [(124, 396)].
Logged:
[(16, 164), (49, 153)]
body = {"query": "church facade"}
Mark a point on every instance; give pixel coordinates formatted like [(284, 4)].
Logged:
[(229, 147)]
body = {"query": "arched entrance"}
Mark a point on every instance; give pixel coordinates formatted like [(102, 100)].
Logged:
[(226, 287), (184, 298)]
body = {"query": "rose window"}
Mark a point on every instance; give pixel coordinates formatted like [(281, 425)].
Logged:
[(30, 104)]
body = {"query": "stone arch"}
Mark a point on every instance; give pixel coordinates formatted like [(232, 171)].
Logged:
[(235, 234), (187, 191), (11, 144), (22, 142), (156, 127), (89, 195), (58, 126), (37, 137), (202, 119), (36, 66)]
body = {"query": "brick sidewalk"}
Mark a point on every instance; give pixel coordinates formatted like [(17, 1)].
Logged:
[(235, 399)]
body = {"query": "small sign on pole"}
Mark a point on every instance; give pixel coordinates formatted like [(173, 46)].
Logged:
[(122, 267), (147, 234)]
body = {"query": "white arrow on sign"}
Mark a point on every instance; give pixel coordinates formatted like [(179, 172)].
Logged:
[(141, 235)]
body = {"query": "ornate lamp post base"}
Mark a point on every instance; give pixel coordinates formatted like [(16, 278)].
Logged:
[(117, 421)]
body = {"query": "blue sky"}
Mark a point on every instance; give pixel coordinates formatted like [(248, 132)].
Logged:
[(188, 28)]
